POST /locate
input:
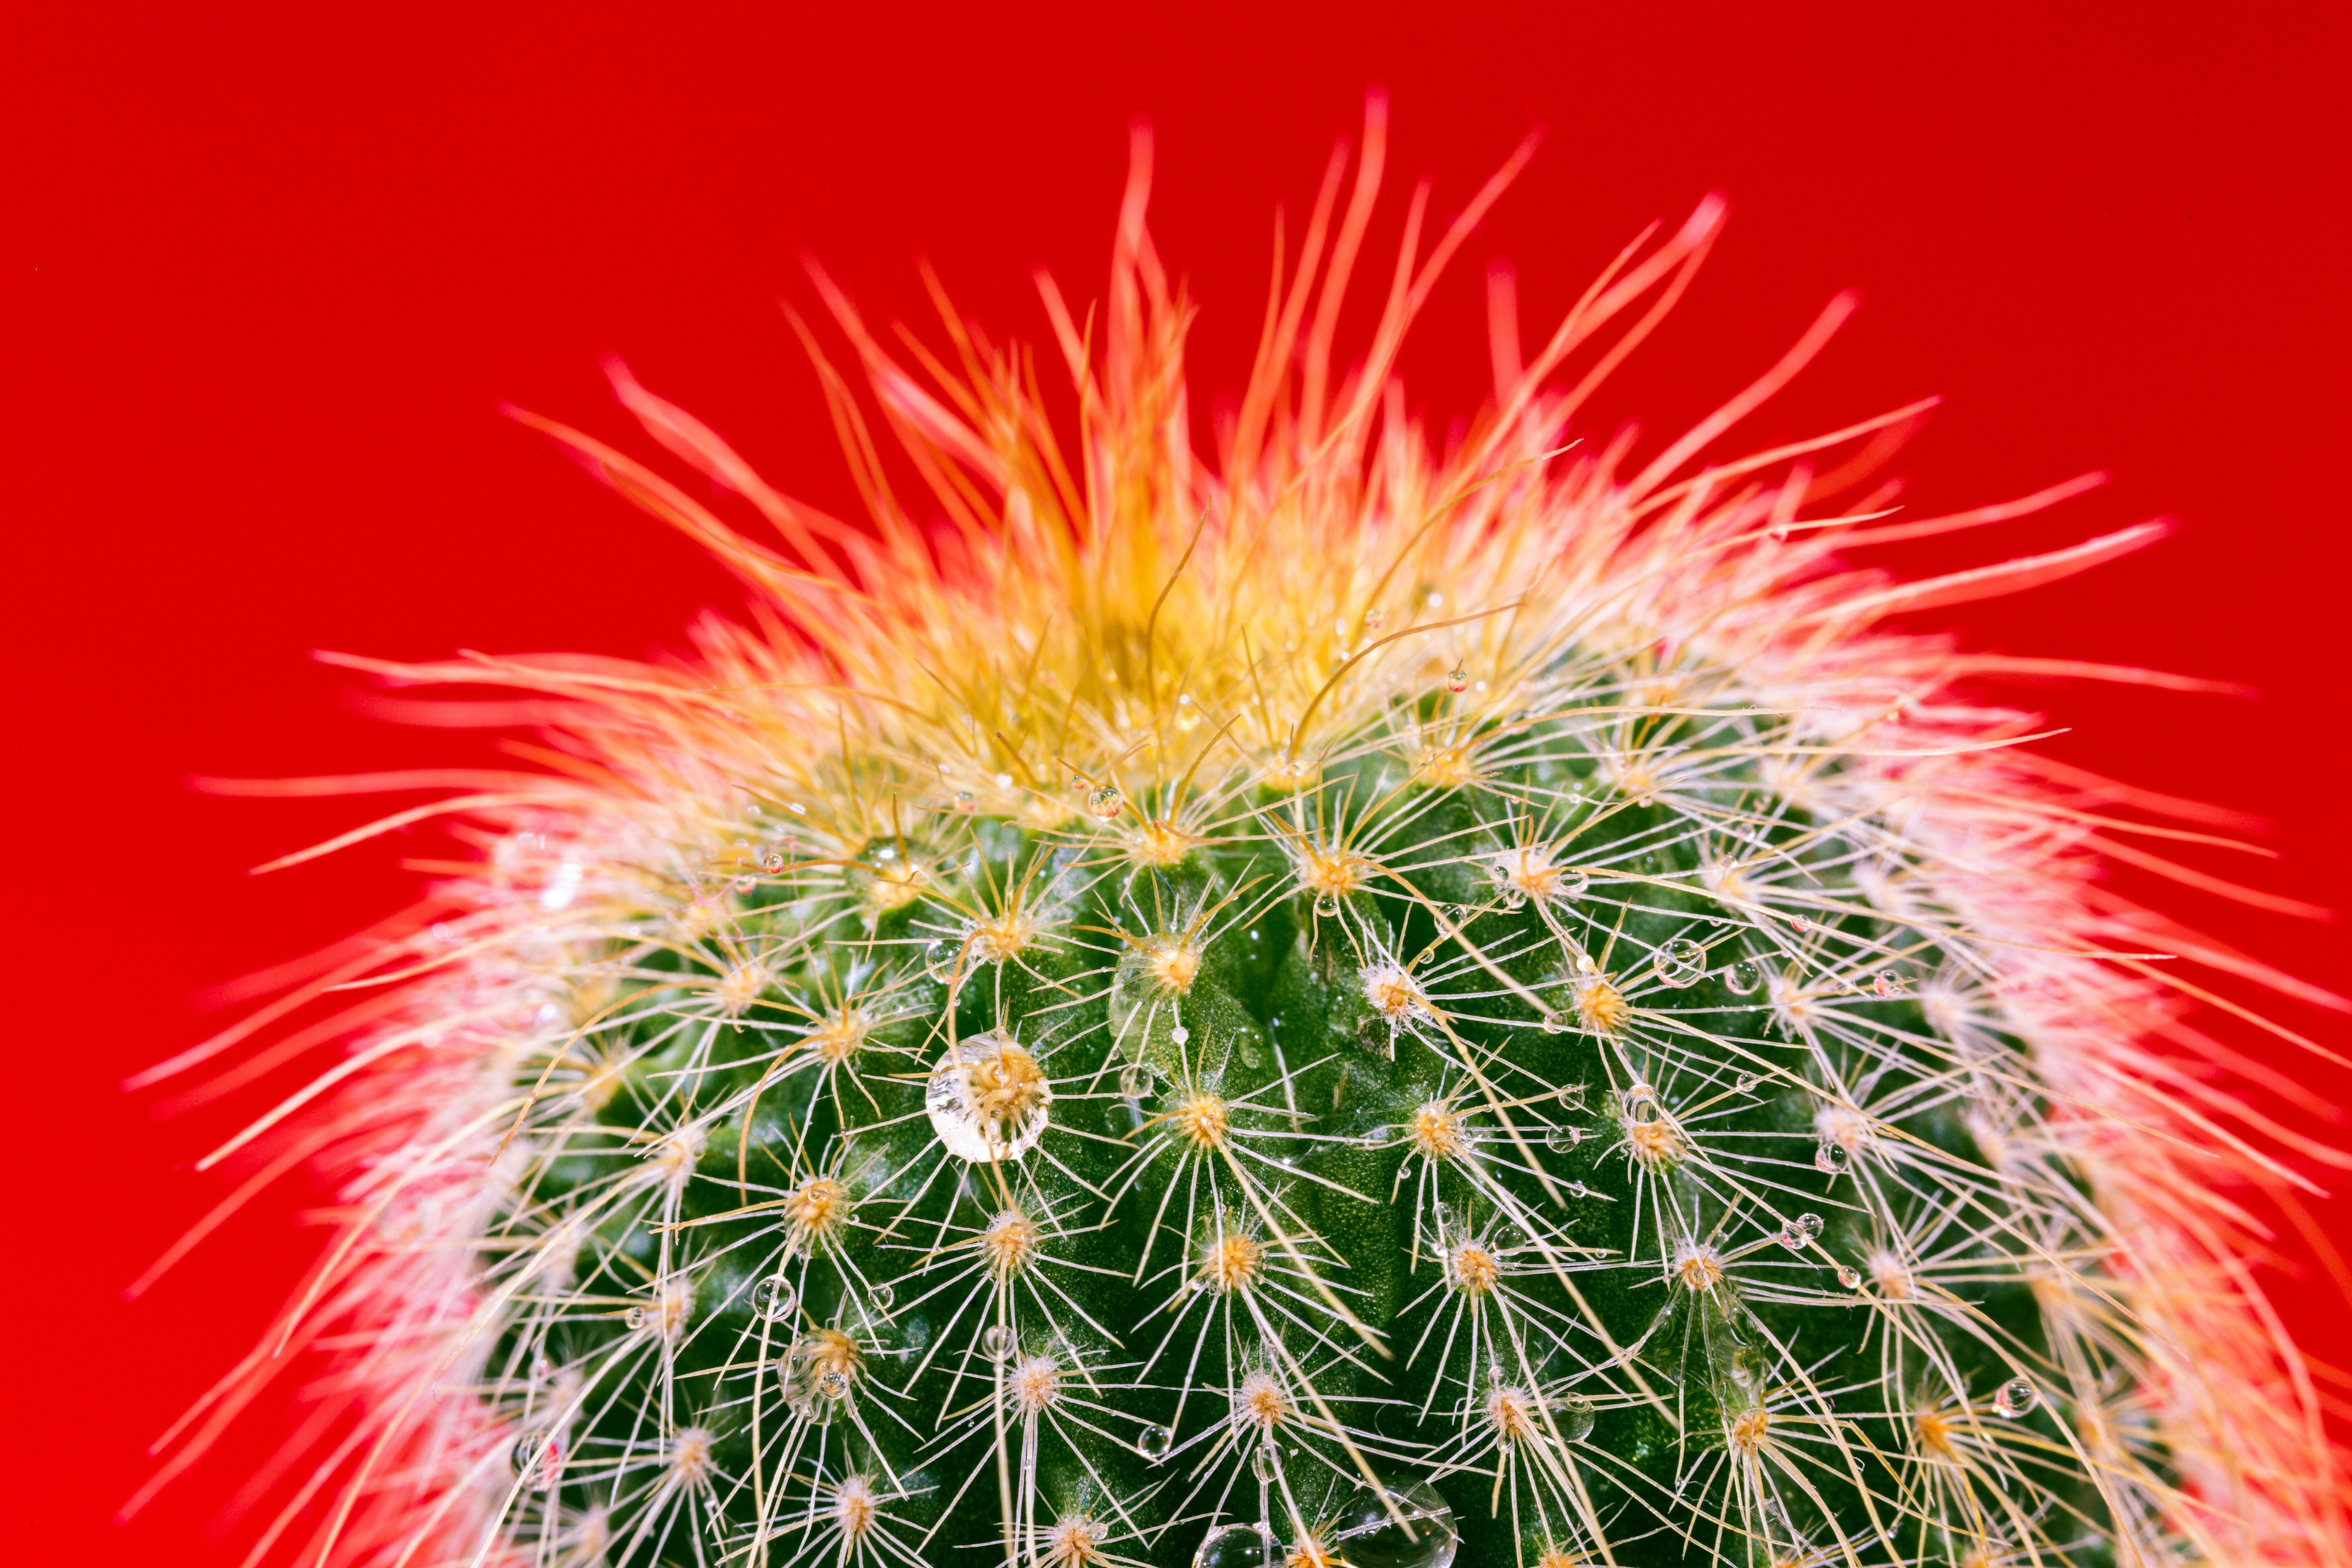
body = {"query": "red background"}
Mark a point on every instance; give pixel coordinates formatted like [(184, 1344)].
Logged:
[(270, 270)]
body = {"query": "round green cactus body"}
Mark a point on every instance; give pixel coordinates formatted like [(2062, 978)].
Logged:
[(1386, 1004)]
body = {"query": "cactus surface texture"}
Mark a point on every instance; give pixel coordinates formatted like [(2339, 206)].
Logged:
[(1383, 1000)]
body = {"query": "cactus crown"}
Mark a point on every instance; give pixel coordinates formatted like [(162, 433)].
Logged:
[(1360, 1009)]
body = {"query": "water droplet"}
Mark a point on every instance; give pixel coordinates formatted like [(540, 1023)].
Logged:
[(988, 1099), (1563, 1139), (1325, 905), (966, 802), (833, 1383), (1107, 802), (1578, 1190), (1155, 1442), (1558, 1021), (1831, 1157), (1680, 962), (1374, 620), (1637, 1101), (1179, 1034), (880, 1297), (1134, 1081), (1799, 924), (1887, 984), (1457, 679), (1798, 1234), (1237, 1546), (771, 858), (1746, 1082), (634, 1317), (774, 1299), (1265, 1465), (997, 1344), (1576, 1416), (1411, 1528), (1743, 1366), (535, 1458), (2015, 1398), (1449, 1221), (796, 808), (1744, 977), (1848, 1277)]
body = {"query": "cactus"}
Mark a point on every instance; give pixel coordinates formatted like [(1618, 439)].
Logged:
[(1360, 1004)]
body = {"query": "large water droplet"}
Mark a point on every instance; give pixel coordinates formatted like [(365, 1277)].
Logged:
[(998, 1343), (1134, 1081), (1573, 881), (774, 1298), (1576, 1416), (1237, 1546), (1848, 1277), (1265, 1465), (988, 1099), (1107, 802), (1411, 1528), (1155, 1442), (1831, 1157), (1680, 962), (2015, 1398), (1457, 679), (1886, 982), (634, 1317), (1563, 1139), (771, 858), (1558, 1021), (880, 1297), (1744, 977)]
